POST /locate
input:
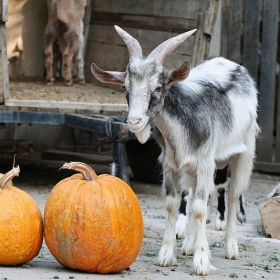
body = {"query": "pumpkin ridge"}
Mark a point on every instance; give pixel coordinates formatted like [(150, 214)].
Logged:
[(70, 202), (123, 246), (59, 240), (86, 195), (110, 257)]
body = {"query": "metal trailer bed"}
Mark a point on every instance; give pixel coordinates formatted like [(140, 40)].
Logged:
[(114, 127)]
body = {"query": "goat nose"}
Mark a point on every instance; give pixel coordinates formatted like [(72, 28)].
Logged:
[(134, 120)]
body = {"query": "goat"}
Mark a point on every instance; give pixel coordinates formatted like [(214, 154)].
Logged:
[(204, 118), (64, 33), (221, 183)]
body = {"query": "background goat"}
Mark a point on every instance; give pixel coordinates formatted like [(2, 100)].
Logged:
[(205, 118), (219, 194), (64, 33)]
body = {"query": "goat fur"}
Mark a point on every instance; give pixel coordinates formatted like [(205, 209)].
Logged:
[(204, 118)]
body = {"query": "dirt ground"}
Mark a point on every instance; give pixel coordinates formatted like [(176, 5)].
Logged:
[(259, 256), (89, 92)]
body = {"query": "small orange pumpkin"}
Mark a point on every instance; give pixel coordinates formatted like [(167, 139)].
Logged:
[(93, 223), (21, 223)]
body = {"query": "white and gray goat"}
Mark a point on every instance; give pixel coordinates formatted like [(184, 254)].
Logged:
[(205, 118), (64, 33)]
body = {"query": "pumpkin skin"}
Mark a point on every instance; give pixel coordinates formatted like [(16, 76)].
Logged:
[(94, 226), (21, 226)]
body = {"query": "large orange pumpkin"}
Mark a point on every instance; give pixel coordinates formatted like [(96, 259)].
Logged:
[(21, 223), (93, 223)]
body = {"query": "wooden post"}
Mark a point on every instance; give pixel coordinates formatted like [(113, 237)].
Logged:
[(3, 10), (87, 23), (267, 79), (4, 77), (206, 22), (251, 37)]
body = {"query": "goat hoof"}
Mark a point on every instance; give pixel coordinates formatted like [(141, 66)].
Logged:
[(82, 82), (166, 256), (68, 82), (231, 258), (220, 224), (187, 254)]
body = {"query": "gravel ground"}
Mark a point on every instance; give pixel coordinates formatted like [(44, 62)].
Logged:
[(259, 256)]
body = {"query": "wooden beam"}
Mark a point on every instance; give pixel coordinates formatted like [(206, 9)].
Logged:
[(67, 105), (4, 79), (267, 167), (149, 22)]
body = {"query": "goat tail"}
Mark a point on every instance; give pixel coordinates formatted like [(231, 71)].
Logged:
[(61, 26), (65, 11)]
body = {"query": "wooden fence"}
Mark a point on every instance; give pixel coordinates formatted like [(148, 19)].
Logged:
[(250, 31)]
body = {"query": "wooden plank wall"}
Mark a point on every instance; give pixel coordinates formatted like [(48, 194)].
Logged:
[(250, 37), (151, 23)]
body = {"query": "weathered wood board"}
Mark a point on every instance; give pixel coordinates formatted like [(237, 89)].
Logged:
[(151, 23), (4, 78), (270, 213), (267, 79)]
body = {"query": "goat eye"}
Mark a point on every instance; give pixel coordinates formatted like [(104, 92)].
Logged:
[(158, 89)]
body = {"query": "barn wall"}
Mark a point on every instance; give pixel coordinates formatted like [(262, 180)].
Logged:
[(25, 29), (151, 22)]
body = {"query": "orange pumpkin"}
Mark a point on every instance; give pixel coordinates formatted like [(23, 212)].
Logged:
[(21, 223), (93, 223)]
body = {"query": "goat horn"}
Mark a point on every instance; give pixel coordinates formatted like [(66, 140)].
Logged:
[(134, 48), (164, 49)]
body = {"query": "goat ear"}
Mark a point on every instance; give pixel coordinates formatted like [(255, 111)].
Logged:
[(108, 76), (178, 74)]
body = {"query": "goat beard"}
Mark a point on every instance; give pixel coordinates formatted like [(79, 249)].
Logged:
[(144, 134)]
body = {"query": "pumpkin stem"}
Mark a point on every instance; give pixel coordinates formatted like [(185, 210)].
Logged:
[(9, 176), (81, 167)]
